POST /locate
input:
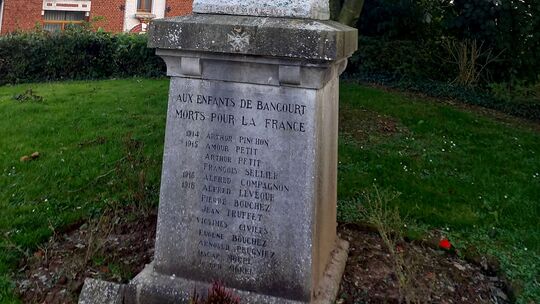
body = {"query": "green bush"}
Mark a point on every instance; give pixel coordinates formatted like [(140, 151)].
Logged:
[(398, 59), (516, 92), (426, 67), (77, 53), (506, 28)]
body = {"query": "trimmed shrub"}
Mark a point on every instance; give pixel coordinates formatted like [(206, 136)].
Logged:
[(77, 53)]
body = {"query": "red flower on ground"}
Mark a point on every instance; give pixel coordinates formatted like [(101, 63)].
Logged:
[(445, 244)]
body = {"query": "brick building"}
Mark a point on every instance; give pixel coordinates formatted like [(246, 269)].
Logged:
[(111, 15)]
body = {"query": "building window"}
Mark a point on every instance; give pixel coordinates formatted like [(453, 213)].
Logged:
[(144, 6), (55, 21)]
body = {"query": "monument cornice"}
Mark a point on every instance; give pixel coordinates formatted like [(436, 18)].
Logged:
[(289, 38)]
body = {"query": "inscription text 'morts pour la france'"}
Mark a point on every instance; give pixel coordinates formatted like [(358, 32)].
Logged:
[(242, 103), (235, 183)]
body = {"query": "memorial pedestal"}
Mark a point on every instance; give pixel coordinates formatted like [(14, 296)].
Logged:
[(249, 182)]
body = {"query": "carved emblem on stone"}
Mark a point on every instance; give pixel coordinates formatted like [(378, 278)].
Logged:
[(238, 40)]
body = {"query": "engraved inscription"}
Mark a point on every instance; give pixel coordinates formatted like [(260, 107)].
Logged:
[(232, 175)]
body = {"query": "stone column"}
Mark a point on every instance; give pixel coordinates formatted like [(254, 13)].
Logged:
[(248, 191)]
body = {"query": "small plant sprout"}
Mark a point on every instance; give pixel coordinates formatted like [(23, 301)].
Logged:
[(377, 210)]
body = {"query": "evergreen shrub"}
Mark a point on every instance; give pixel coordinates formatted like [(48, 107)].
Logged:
[(401, 59), (77, 53)]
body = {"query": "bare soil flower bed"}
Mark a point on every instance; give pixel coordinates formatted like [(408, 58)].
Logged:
[(113, 248), (432, 275), (116, 247)]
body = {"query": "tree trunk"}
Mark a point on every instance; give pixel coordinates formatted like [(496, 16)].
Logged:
[(351, 12), (335, 9)]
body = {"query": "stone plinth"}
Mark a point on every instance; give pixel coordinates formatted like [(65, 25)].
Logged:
[(101, 292), (248, 191), (249, 182), (311, 9)]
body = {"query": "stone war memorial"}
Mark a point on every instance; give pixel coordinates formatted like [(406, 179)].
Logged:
[(249, 181)]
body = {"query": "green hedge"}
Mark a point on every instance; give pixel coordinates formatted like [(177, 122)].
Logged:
[(424, 67), (77, 53), (400, 58), (529, 109)]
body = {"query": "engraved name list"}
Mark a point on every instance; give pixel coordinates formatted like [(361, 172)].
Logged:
[(236, 174)]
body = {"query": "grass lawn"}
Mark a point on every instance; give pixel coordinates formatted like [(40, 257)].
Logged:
[(95, 139), (472, 176), (100, 143)]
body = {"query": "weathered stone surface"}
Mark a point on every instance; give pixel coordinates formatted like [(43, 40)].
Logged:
[(249, 181), (101, 292), (236, 195), (151, 287), (330, 282), (242, 69), (312, 9), (270, 37)]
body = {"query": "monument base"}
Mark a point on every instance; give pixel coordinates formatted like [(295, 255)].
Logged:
[(249, 183), (151, 287)]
